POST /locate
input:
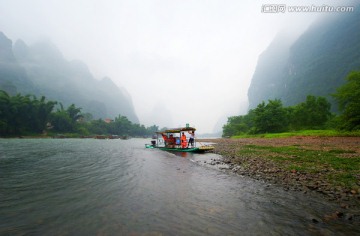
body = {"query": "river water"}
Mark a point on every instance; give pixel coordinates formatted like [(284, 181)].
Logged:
[(117, 187)]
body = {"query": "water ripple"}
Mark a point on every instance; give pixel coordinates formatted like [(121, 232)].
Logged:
[(107, 187)]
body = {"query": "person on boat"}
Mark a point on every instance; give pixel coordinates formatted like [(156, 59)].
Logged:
[(191, 139), (165, 137), (171, 141), (183, 140), (177, 142)]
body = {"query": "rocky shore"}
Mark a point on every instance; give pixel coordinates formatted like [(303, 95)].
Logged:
[(241, 159)]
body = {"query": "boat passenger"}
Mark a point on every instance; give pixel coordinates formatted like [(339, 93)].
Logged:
[(191, 139), (171, 141), (183, 140), (165, 138), (177, 142)]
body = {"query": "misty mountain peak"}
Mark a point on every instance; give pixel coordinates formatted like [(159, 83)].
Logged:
[(81, 69), (42, 70), (313, 64), (107, 80), (108, 84), (45, 50), (20, 49), (6, 53)]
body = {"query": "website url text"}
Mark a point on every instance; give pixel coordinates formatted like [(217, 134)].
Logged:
[(282, 8)]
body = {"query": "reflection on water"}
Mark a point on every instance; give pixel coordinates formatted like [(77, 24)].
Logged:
[(107, 187), (181, 154)]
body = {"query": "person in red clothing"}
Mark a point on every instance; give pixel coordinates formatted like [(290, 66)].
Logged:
[(183, 140), (165, 138), (171, 141)]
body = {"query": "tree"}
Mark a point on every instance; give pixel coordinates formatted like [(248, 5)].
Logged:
[(74, 113), (40, 114), (61, 122), (230, 128), (348, 98), (271, 117), (152, 129), (23, 114), (121, 125), (311, 114), (98, 127), (237, 125), (27, 115), (4, 111), (66, 120)]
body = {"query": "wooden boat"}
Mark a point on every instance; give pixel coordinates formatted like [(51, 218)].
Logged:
[(161, 144)]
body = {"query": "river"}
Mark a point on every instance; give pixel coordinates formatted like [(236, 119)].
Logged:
[(117, 187)]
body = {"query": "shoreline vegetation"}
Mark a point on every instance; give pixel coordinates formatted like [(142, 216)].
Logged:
[(68, 136), (317, 163), (27, 115)]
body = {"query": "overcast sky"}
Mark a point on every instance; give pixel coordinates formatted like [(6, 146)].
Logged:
[(192, 59)]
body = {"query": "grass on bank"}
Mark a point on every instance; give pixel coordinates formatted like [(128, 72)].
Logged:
[(318, 133), (338, 167)]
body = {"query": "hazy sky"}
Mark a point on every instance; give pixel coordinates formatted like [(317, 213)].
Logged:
[(192, 59)]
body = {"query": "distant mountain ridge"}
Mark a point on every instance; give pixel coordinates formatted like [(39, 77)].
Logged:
[(314, 64), (41, 69)]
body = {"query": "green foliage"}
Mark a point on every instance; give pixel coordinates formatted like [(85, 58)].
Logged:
[(317, 133), (66, 120), (152, 129), (238, 124), (330, 163), (120, 126), (98, 127), (21, 115), (348, 98), (62, 122), (311, 114), (270, 118), (74, 113), (265, 118)]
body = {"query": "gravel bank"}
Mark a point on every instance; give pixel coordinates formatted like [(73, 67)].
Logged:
[(258, 167)]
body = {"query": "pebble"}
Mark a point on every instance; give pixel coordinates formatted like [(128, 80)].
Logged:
[(261, 169), (315, 221)]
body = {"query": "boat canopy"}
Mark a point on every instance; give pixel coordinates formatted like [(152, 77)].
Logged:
[(177, 130)]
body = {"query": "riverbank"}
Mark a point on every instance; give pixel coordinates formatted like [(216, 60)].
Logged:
[(329, 166)]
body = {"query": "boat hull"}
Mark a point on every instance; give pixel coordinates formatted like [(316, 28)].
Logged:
[(193, 149)]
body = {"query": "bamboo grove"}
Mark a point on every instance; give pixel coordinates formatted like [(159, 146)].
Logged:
[(29, 115)]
